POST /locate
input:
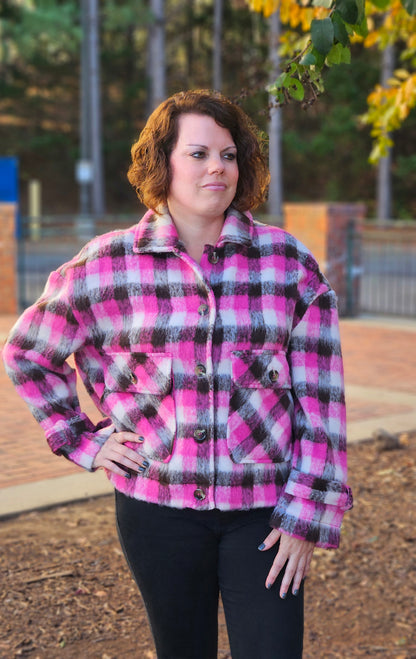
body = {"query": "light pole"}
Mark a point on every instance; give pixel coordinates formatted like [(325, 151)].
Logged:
[(90, 167)]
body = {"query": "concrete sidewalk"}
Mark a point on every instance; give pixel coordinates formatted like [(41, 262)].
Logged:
[(380, 376)]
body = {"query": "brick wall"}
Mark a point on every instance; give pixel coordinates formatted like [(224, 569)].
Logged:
[(323, 228), (8, 274)]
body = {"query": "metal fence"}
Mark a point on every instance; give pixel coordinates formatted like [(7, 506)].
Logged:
[(387, 283), (384, 282), (44, 245)]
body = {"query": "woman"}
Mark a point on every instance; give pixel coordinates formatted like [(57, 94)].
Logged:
[(210, 344)]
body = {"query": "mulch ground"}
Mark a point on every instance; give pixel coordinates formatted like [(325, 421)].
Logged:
[(65, 590)]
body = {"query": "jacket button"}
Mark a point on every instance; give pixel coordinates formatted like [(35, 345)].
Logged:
[(133, 378), (200, 369), (199, 494), (273, 376), (200, 434), (203, 309), (214, 258)]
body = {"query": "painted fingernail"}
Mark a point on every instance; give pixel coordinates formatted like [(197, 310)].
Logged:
[(261, 547), (140, 438), (141, 469), (127, 475), (296, 592), (145, 463), (283, 596), (269, 585)]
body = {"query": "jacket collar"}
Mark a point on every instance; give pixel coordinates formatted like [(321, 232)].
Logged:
[(157, 233)]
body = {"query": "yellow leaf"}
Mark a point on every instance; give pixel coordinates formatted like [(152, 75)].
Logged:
[(371, 39), (401, 73)]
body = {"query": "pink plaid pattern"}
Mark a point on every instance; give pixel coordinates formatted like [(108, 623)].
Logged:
[(231, 370)]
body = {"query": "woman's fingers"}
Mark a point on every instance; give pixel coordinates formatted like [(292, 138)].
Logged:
[(295, 554), (115, 456), (271, 540)]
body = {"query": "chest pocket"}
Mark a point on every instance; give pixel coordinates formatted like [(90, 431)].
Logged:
[(261, 406), (138, 398)]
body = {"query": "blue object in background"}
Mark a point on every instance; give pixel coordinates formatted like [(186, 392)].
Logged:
[(9, 184), (9, 190)]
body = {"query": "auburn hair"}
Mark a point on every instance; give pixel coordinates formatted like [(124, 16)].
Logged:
[(150, 172)]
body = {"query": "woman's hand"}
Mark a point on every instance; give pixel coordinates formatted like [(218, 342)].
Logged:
[(118, 458), (298, 555)]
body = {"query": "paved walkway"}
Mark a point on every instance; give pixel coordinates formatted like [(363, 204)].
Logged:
[(380, 375)]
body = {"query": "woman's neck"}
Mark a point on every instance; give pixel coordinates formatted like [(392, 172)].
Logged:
[(197, 232)]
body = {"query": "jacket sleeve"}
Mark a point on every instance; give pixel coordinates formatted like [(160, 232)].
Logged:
[(35, 357), (316, 495)]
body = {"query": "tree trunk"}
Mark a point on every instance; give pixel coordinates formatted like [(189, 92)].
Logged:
[(95, 109), (217, 45), (157, 54), (384, 187), (275, 204)]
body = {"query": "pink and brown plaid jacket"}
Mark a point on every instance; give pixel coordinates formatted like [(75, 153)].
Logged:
[(231, 370)]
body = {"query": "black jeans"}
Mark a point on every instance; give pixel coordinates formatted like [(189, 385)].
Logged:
[(181, 561)]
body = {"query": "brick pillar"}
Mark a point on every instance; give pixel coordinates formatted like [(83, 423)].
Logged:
[(323, 228), (8, 276)]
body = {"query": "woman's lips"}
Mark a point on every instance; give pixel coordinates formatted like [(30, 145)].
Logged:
[(214, 186)]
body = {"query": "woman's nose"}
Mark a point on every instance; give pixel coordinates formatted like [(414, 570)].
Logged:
[(215, 164)]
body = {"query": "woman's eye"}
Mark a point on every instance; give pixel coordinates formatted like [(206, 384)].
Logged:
[(198, 154), (230, 156)]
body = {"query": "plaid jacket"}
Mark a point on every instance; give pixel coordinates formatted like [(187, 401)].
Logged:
[(231, 370)]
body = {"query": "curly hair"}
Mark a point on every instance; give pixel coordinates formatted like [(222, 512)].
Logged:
[(150, 173)]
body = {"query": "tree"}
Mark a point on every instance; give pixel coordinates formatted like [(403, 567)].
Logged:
[(217, 45), (39, 98), (384, 165), (329, 28), (157, 58), (275, 200)]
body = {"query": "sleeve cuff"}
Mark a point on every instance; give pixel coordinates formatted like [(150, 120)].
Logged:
[(79, 440), (309, 520), (312, 488)]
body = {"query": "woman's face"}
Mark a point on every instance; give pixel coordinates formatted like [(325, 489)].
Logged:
[(204, 170)]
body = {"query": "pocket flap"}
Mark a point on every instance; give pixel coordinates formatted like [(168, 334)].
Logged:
[(140, 373), (260, 369)]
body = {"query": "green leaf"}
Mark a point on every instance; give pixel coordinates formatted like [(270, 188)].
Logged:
[(338, 54), (334, 55), (320, 58), (308, 60), (322, 35), (361, 10), (362, 28), (280, 97), (280, 81), (340, 31), (380, 4), (296, 89), (410, 6), (348, 9), (346, 55)]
